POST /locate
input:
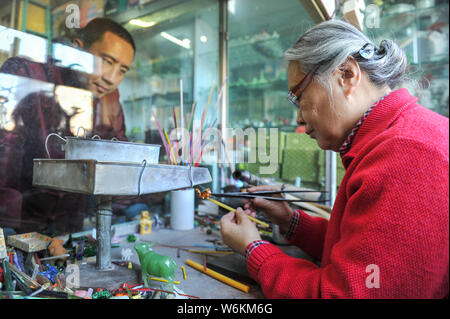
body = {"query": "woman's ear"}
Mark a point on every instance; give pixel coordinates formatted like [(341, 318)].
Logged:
[(78, 43), (349, 76)]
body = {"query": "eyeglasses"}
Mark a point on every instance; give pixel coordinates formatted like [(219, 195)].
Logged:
[(295, 94)]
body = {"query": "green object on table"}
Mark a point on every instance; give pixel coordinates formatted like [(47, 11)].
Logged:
[(102, 294), (90, 250), (131, 238), (155, 264)]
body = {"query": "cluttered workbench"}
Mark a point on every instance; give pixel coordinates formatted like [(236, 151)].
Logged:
[(79, 278), (178, 259), (179, 246)]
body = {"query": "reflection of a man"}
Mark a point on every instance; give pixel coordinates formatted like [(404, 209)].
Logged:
[(111, 42), (23, 207), (115, 46), (35, 116)]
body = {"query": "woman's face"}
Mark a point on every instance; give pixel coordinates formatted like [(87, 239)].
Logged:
[(323, 122)]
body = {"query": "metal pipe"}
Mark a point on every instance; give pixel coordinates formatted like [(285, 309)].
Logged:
[(103, 232), (223, 73), (248, 177), (330, 177), (12, 23)]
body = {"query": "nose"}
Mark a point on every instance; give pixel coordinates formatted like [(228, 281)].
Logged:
[(111, 75), (300, 120)]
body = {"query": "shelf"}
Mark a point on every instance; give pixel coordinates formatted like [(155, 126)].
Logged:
[(260, 84), (440, 59), (415, 11), (403, 26), (423, 34)]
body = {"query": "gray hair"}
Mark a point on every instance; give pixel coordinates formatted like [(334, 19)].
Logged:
[(330, 43)]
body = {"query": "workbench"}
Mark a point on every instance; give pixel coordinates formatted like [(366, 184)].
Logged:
[(197, 284)]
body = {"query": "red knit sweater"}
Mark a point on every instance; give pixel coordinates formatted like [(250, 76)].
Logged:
[(388, 235)]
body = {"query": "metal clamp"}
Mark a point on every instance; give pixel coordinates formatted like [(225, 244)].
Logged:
[(190, 176), (46, 142), (144, 164), (78, 131)]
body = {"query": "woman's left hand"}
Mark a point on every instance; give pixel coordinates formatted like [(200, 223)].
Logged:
[(238, 231)]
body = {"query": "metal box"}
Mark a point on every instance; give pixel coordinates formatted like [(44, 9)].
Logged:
[(108, 150), (115, 178)]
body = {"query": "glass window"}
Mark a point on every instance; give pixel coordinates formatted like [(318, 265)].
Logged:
[(23, 44), (421, 29), (180, 50), (259, 33), (60, 78)]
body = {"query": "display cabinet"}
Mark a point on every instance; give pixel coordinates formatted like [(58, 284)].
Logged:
[(176, 46), (259, 34), (421, 29)]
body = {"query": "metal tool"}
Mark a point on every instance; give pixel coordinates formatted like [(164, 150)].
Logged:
[(207, 194), (55, 257), (261, 194), (248, 177)]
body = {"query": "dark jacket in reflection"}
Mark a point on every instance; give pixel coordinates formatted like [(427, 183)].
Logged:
[(36, 116), (22, 206), (108, 119)]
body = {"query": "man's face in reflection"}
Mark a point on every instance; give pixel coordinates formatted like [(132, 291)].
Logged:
[(117, 55)]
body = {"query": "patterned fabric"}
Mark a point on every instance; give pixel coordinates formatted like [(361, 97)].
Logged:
[(293, 225), (348, 142), (253, 245)]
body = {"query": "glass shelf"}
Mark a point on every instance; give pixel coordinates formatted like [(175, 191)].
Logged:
[(396, 10), (423, 33)]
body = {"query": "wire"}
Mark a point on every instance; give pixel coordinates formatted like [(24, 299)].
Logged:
[(46, 141)]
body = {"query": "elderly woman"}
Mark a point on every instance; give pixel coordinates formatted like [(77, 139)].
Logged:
[(388, 235)]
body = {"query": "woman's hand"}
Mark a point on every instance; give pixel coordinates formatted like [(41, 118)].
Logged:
[(238, 231), (277, 212)]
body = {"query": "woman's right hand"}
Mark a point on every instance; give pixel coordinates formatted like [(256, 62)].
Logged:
[(276, 211)]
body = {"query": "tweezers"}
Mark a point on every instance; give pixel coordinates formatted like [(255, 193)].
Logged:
[(262, 193)]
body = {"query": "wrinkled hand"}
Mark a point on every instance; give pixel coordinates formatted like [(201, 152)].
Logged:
[(238, 231), (277, 212)]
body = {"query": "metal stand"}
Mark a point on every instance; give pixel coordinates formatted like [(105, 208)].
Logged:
[(93, 167), (103, 232), (330, 177)]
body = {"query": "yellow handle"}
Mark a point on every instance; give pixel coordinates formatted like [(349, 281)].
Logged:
[(231, 209), (171, 149), (163, 280), (220, 277), (184, 272)]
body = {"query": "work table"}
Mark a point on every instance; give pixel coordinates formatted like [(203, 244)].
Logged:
[(197, 283)]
